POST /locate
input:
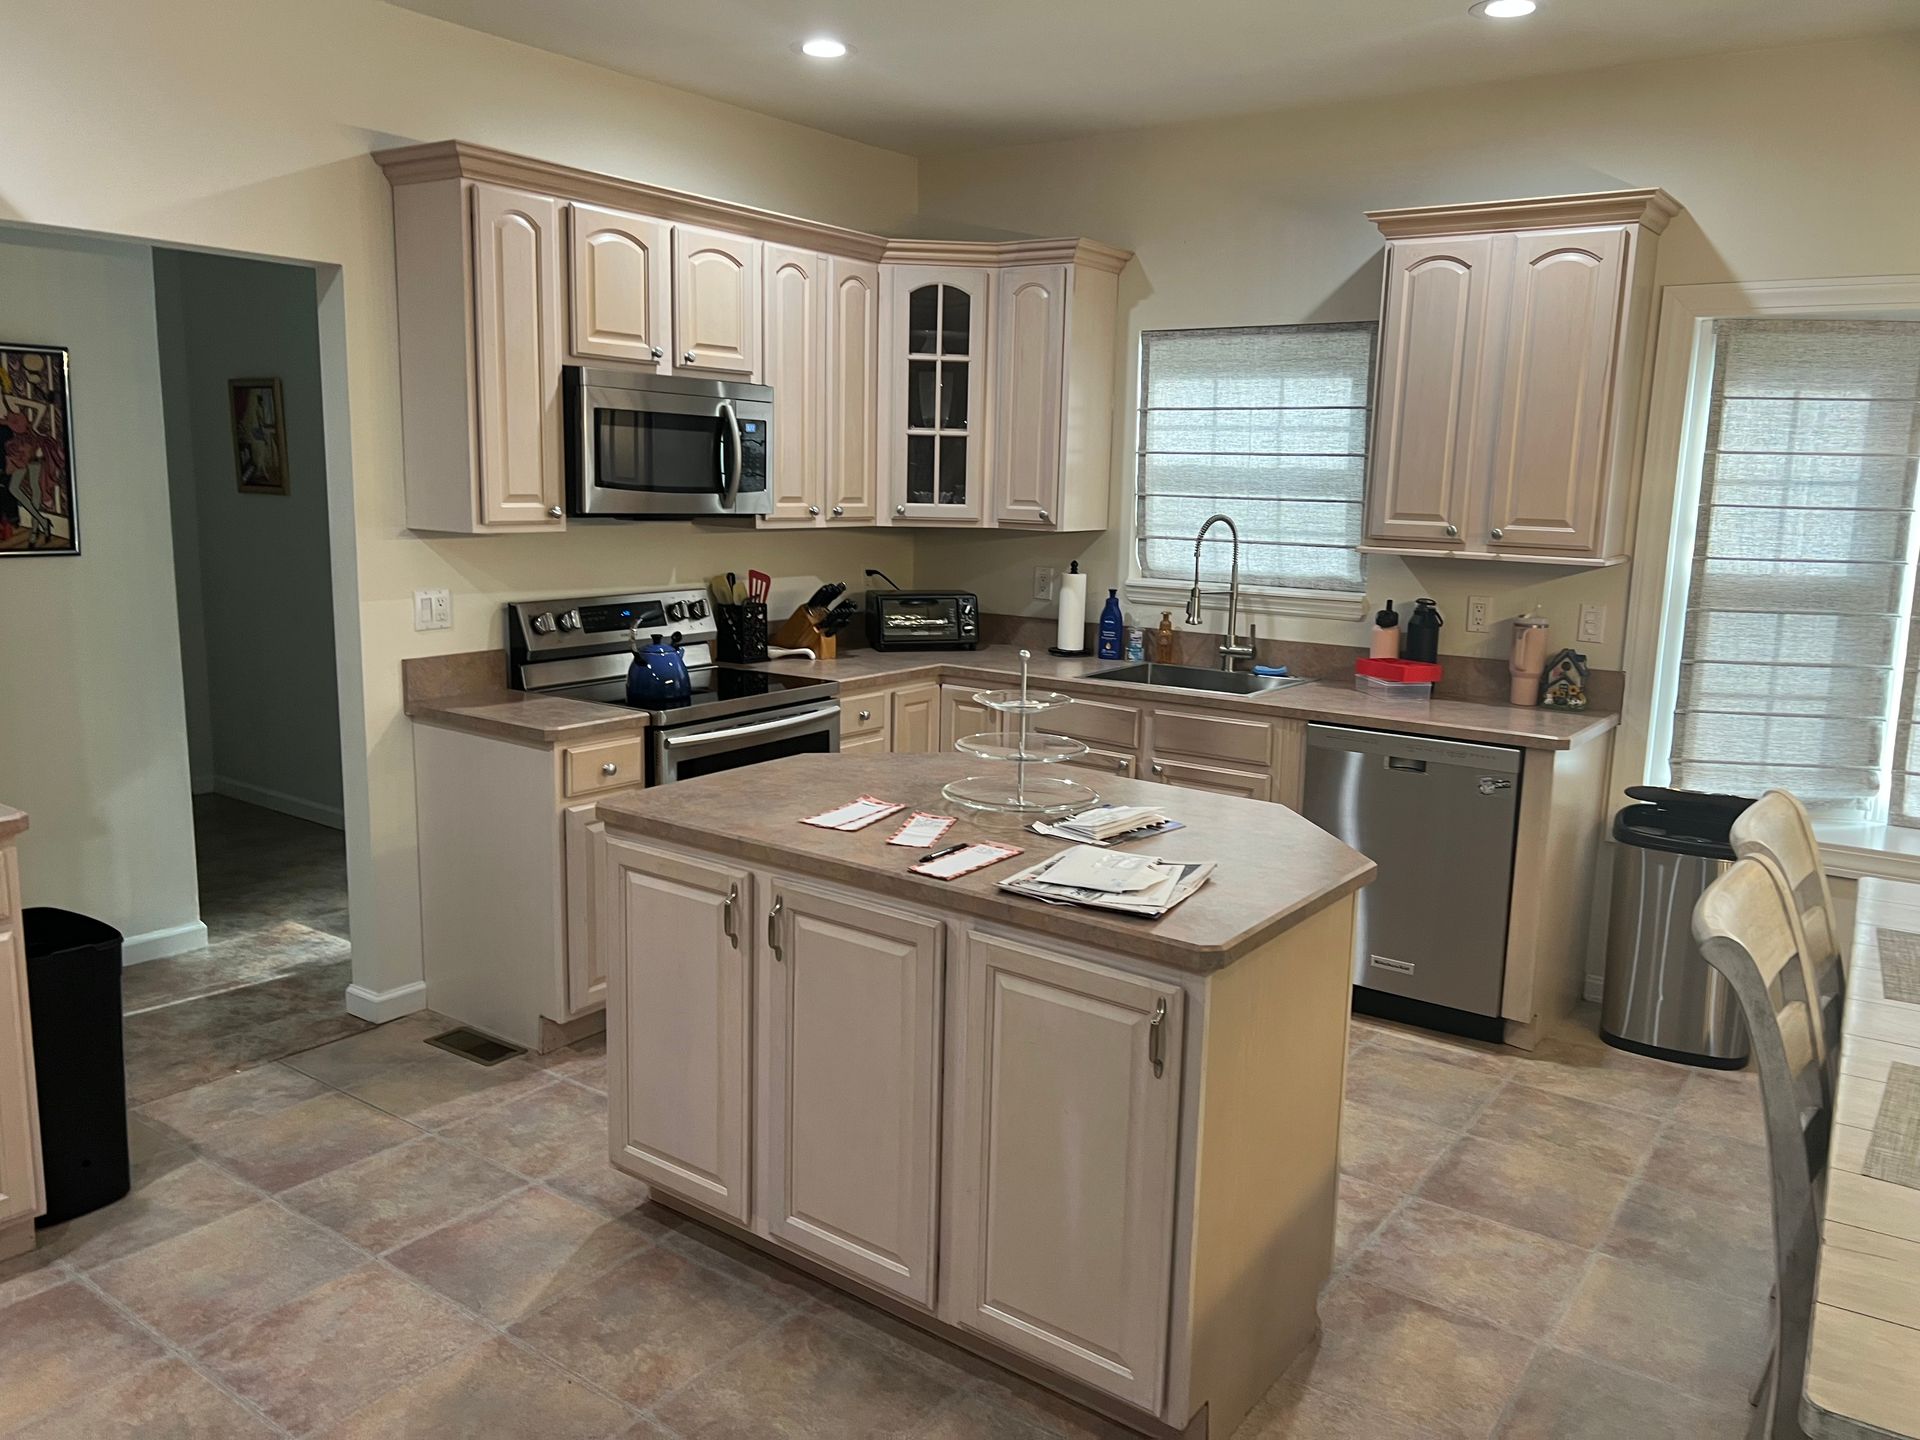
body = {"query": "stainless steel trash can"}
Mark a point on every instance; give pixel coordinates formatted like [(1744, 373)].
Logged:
[(1662, 998)]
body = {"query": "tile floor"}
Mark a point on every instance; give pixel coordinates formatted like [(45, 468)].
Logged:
[(374, 1238)]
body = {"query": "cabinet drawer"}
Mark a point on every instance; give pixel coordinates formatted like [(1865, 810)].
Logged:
[(1098, 723), (610, 765), (1107, 762), (1249, 784), (862, 716), (1213, 737)]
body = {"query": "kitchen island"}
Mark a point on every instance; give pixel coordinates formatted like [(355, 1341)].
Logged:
[(1100, 1150)]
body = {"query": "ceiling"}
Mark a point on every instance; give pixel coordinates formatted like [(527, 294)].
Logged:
[(927, 77)]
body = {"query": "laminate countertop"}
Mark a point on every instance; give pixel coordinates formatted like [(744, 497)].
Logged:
[(545, 719), (1275, 869), (12, 822)]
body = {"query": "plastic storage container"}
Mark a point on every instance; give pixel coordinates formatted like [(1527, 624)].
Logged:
[(73, 992)]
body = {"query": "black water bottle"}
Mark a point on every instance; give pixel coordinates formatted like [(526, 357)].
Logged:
[(1423, 633)]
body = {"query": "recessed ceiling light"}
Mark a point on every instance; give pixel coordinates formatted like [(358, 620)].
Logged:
[(823, 48), (1502, 9)]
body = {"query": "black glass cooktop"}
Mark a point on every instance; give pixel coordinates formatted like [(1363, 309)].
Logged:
[(717, 690)]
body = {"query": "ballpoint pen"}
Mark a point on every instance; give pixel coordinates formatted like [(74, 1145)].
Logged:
[(929, 859)]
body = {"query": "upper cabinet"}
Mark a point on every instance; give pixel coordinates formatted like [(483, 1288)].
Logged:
[(821, 358), (716, 303), (618, 265), (939, 323), (1511, 343)]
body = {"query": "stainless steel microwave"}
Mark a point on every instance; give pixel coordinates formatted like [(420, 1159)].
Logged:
[(666, 446)]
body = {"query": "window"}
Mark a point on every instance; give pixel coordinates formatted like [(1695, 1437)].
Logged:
[(1269, 425), (1798, 660)]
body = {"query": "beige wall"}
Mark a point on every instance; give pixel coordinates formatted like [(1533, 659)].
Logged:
[(92, 737), (248, 129), (1791, 163)]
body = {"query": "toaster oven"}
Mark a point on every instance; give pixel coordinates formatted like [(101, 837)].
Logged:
[(923, 619)]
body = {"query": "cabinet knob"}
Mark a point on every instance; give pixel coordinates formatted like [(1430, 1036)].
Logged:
[(1495, 533), (1157, 768), (687, 359), (1045, 518), (813, 509), (866, 714), (839, 510), (555, 511), (657, 352), (609, 768), (1452, 531), (899, 509), (1122, 765)]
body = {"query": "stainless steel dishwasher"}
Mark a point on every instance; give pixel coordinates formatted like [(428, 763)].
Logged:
[(1437, 817)]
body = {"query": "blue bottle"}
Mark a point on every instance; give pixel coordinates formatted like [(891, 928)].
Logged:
[(1112, 628)]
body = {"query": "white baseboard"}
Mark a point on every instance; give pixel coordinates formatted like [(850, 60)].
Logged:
[(158, 944), (1596, 988), (301, 809), (380, 1006)]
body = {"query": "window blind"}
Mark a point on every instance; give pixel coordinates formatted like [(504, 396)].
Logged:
[(1801, 579), (1269, 425)]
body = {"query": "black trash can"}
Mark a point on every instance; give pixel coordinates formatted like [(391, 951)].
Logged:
[(79, 1063)]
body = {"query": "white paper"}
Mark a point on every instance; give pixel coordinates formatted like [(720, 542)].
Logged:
[(1087, 868), (854, 815), (921, 830), (948, 867)]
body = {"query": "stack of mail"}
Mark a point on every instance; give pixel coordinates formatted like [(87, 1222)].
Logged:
[(1142, 885), (1107, 824)]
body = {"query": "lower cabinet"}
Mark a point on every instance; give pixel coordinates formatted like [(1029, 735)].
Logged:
[(961, 715), (916, 719), (21, 1190), (849, 1085), (586, 966), (1222, 780), (1060, 1197)]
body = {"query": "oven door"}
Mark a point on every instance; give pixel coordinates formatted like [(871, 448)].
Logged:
[(692, 750), (669, 448)]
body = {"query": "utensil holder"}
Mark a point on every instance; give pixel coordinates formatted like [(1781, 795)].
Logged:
[(741, 631)]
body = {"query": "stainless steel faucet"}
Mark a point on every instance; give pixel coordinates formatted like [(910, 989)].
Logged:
[(1233, 649)]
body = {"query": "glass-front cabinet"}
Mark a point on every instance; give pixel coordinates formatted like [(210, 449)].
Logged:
[(937, 335)]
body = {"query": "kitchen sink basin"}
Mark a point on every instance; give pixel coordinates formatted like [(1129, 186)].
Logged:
[(1198, 677)]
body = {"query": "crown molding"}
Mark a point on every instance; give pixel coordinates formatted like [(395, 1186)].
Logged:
[(1649, 208), (461, 160)]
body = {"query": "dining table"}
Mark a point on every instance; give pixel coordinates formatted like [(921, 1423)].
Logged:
[(1863, 1356)]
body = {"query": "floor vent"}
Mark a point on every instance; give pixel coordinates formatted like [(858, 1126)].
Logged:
[(472, 1045)]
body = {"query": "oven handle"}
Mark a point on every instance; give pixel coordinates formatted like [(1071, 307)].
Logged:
[(730, 475), (763, 727)]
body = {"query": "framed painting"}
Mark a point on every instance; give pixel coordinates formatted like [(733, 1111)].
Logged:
[(259, 415), (37, 515)]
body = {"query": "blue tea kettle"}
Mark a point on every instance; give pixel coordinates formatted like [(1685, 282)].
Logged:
[(658, 672)]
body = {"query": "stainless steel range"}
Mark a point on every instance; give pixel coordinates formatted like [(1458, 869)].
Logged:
[(736, 715)]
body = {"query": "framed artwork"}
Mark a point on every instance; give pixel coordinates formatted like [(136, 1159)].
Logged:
[(36, 453), (259, 416)]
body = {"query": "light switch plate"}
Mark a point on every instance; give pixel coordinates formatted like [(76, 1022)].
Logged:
[(1045, 580), (1479, 607), (1593, 624), (432, 610)]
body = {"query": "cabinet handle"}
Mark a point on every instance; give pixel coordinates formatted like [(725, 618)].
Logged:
[(839, 510), (687, 359), (1452, 531), (866, 714), (813, 509), (1157, 1039), (773, 928), (555, 511), (1495, 533), (609, 768), (1045, 519), (727, 927), (899, 509)]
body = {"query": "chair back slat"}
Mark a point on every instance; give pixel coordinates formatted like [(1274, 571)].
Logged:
[(1778, 827)]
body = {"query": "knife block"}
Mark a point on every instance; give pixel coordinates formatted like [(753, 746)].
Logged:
[(803, 629)]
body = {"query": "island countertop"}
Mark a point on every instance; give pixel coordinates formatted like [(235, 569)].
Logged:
[(12, 822), (1275, 869)]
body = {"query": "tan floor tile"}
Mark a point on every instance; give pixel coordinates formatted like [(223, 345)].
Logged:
[(584, 1062), (29, 1274), (1417, 1087), (263, 1090), (434, 1088), (57, 1346), (291, 1146), (1604, 1136), (541, 1134), (805, 1379), (1568, 1397), (745, 1263), (521, 1254), (1724, 1107), (333, 1350), (973, 1417), (1052, 1415), (651, 1325), (220, 1272), (1361, 1209), (1473, 1266), (1717, 1167), (1639, 1317), (495, 1388), (595, 1182), (1728, 1247), (1381, 1149), (1290, 1411), (401, 1193), (1409, 1363), (1604, 1075), (169, 1204), (356, 1058), (1540, 1187), (167, 1400), (1478, 1055)]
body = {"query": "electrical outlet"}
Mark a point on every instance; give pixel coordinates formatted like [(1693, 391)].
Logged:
[(1479, 609), (432, 610), (1046, 581), (1593, 624)]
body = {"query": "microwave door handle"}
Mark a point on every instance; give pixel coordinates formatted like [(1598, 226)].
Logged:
[(732, 460)]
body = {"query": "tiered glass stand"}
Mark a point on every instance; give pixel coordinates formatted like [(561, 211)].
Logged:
[(1021, 790)]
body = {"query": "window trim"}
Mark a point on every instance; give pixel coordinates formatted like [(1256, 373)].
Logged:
[(1153, 590)]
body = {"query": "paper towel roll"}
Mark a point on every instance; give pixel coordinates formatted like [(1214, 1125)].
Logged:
[(1073, 612)]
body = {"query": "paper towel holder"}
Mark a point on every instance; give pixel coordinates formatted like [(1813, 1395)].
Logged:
[(1065, 653)]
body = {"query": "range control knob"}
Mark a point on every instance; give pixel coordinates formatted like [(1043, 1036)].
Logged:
[(696, 609), (676, 610), (570, 620), (542, 624)]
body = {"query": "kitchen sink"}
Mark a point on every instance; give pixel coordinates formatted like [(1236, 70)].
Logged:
[(1199, 677)]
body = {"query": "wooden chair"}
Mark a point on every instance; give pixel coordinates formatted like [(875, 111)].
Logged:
[(1778, 827), (1747, 926)]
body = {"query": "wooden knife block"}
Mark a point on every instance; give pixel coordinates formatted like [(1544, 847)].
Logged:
[(801, 629)]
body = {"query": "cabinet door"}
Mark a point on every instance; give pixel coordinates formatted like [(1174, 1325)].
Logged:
[(586, 979), (959, 715), (1030, 389), (1221, 779), (1427, 391), (850, 1086), (677, 936), (938, 333), (716, 302), (516, 355), (796, 309), (1563, 296), (916, 719), (853, 390), (1061, 1181), (617, 274)]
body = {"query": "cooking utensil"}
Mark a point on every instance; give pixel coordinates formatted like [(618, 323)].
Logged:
[(759, 586), (838, 618)]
